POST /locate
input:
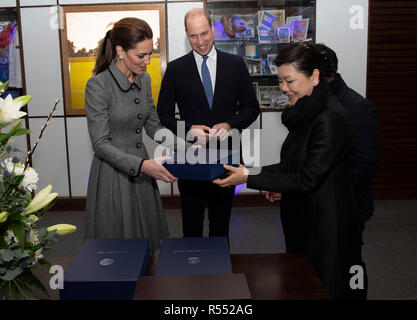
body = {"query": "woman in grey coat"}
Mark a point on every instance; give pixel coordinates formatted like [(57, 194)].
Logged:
[(123, 199)]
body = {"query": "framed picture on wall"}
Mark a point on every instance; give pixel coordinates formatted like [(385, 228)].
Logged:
[(300, 29), (80, 39)]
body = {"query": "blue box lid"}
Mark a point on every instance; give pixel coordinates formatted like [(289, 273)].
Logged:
[(181, 256), (201, 164), (109, 260)]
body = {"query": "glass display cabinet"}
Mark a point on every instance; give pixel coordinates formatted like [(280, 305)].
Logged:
[(254, 29)]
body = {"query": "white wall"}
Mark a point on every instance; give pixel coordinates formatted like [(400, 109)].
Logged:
[(101, 1), (345, 32), (7, 3), (44, 82), (42, 64), (178, 44), (24, 3)]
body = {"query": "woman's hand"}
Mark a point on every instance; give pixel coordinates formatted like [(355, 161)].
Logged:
[(155, 169), (237, 175), (273, 196)]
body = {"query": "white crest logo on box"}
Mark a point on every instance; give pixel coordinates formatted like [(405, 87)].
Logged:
[(106, 262), (193, 260)]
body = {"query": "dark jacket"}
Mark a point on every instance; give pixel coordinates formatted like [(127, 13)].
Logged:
[(182, 85), (365, 123), (315, 177)]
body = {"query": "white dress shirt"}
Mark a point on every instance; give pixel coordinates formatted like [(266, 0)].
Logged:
[(211, 65)]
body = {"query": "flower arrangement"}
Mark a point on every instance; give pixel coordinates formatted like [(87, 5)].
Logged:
[(22, 242)]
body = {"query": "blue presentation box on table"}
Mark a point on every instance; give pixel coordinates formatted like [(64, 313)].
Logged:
[(106, 269), (201, 164), (187, 256)]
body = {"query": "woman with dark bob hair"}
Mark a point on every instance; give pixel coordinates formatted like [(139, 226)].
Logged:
[(314, 179), (123, 199)]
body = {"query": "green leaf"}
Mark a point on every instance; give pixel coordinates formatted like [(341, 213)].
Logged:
[(29, 278), (4, 85), (16, 150), (3, 244), (22, 132), (45, 263), (6, 255), (4, 137), (11, 274), (19, 231), (16, 126), (16, 217), (23, 99), (47, 207), (41, 232)]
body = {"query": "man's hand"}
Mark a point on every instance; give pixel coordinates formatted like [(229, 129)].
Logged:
[(222, 130), (273, 196), (199, 133)]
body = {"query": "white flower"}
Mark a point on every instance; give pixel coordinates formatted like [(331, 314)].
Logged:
[(33, 218), (33, 237), (3, 89), (62, 229), (42, 199), (30, 180), (14, 168), (10, 110), (9, 237), (31, 177), (38, 254)]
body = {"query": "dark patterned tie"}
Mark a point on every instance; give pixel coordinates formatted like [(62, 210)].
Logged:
[(208, 88)]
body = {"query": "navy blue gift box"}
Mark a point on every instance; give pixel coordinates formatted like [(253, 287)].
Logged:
[(106, 269), (188, 256), (205, 166)]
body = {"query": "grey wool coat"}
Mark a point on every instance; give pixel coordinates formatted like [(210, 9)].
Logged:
[(122, 202)]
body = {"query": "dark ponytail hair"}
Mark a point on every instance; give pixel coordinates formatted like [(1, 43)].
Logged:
[(330, 61), (126, 33), (304, 57)]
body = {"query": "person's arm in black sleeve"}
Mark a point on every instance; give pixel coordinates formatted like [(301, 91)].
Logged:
[(325, 143), (367, 138), (166, 102)]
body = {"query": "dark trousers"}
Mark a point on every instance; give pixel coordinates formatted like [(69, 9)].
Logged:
[(195, 196)]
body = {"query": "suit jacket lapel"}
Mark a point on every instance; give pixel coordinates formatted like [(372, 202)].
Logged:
[(220, 71), (195, 78)]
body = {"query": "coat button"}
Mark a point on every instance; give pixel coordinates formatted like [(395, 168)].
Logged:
[(137, 101), (132, 171), (138, 130), (138, 145), (132, 86), (140, 116)]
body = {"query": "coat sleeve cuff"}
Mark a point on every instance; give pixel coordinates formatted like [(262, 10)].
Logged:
[(140, 167)]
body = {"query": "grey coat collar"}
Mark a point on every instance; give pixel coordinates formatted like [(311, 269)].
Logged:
[(122, 82)]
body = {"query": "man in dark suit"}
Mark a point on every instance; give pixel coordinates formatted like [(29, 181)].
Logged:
[(365, 122), (214, 94)]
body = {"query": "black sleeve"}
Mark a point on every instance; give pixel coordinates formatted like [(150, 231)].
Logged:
[(166, 102), (248, 103), (365, 120), (323, 149)]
